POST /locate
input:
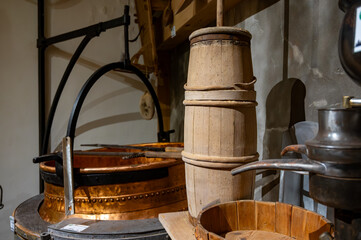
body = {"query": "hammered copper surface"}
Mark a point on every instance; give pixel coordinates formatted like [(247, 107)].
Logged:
[(119, 201)]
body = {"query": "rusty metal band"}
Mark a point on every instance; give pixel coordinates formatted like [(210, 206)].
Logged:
[(207, 88), (237, 39), (220, 103), (222, 95), (25, 233), (217, 162)]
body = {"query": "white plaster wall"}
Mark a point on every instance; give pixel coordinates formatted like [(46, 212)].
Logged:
[(112, 103), (18, 106)]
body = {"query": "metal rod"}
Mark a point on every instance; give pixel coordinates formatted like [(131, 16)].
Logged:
[(350, 102), (126, 37), (144, 148), (41, 83), (149, 154), (68, 176), (96, 28), (60, 89)]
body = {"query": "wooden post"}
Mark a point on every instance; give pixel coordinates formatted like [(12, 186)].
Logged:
[(219, 13)]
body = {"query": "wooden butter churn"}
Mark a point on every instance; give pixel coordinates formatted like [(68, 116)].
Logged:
[(220, 129)]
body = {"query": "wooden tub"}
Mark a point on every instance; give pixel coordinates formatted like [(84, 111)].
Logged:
[(249, 220)]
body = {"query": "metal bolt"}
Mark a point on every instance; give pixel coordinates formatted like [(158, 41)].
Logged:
[(45, 236)]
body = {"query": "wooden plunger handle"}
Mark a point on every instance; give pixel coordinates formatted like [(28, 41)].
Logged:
[(219, 13)]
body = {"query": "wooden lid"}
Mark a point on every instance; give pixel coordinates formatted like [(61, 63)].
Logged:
[(210, 33)]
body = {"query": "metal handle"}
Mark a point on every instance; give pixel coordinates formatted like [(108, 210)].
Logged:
[(283, 164), (299, 148)]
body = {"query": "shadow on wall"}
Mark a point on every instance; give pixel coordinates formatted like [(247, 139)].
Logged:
[(284, 108), (179, 71), (117, 76), (246, 9), (59, 4)]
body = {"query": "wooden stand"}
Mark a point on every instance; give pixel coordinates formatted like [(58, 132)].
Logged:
[(177, 225)]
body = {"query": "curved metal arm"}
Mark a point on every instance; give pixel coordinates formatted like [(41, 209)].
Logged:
[(283, 164), (94, 78), (1, 198), (60, 89)]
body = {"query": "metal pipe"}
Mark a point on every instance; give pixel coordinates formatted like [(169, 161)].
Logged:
[(283, 164), (350, 102)]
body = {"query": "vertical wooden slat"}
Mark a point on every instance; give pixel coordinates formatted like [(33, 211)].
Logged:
[(220, 219), (215, 130), (265, 212), (227, 134), (283, 218), (313, 224), (188, 129), (246, 215), (201, 233), (298, 225)]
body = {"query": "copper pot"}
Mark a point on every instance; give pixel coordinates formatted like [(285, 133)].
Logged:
[(113, 188)]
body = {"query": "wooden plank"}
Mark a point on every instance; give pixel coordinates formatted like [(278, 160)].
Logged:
[(298, 225), (265, 212), (196, 15), (145, 21), (283, 218), (313, 224), (246, 215), (177, 225)]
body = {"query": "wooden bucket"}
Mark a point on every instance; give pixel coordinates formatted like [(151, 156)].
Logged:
[(220, 130), (250, 220)]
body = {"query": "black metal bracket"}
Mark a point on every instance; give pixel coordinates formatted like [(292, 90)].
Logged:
[(89, 33), (1, 198)]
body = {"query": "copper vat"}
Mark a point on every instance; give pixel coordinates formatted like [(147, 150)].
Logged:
[(113, 188)]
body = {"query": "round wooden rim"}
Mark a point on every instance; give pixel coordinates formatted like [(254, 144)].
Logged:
[(202, 233)]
